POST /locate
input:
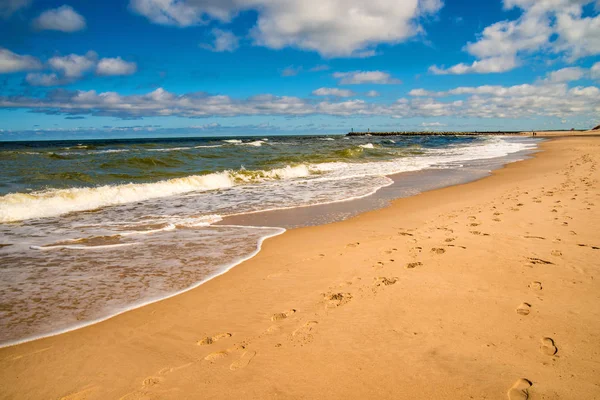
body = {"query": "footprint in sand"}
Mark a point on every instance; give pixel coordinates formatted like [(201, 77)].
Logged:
[(337, 299), (353, 244), (210, 340), (382, 280), (536, 261), (535, 285), (151, 381), (282, 316), (548, 346), (414, 265), (243, 361), (524, 309), (448, 240), (520, 390), (556, 253), (216, 356), (304, 334), (438, 250), (534, 237)]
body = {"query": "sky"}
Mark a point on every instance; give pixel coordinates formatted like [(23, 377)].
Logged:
[(74, 69)]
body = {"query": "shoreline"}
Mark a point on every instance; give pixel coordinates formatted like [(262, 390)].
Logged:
[(270, 219), (226, 312), (226, 268)]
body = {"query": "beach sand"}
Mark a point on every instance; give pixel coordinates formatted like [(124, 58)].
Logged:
[(487, 290)]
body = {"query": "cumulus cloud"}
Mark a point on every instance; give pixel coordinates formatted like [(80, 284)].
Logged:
[(73, 65), (372, 93), (567, 74), (12, 62), (64, 19), (9, 7), (544, 26), (115, 66), (520, 101), (41, 79), (488, 65), (362, 77), (333, 28), (333, 92), (223, 41)]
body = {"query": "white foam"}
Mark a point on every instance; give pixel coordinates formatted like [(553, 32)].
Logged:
[(367, 146), (223, 270), (233, 141), (54, 202), (256, 143), (20, 206), (72, 247)]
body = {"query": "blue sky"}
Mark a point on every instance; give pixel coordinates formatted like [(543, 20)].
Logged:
[(130, 68)]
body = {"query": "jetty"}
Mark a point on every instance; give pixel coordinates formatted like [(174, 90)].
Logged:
[(454, 133)]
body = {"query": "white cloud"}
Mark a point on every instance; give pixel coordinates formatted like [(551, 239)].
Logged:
[(362, 77), (432, 124), (9, 7), (487, 65), (372, 93), (334, 28), (73, 65), (595, 71), (40, 79), (333, 92), (223, 41), (64, 19), (578, 37), (67, 69), (115, 66), (544, 26), (11, 62), (514, 102), (567, 74)]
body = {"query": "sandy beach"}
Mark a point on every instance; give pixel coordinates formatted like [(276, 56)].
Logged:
[(487, 290)]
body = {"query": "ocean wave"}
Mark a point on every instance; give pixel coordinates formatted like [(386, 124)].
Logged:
[(79, 247), (172, 149), (367, 146), (233, 141), (256, 143), (54, 202), (167, 149)]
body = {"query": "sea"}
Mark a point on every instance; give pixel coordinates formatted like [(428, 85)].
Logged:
[(91, 229)]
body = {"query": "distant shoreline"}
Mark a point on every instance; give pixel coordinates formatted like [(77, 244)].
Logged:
[(436, 133)]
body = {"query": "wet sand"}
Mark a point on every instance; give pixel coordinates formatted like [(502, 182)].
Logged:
[(484, 290)]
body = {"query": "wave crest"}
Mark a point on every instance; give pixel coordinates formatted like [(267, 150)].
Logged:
[(54, 202)]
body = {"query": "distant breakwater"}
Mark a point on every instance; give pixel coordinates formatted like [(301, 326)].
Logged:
[(437, 133)]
